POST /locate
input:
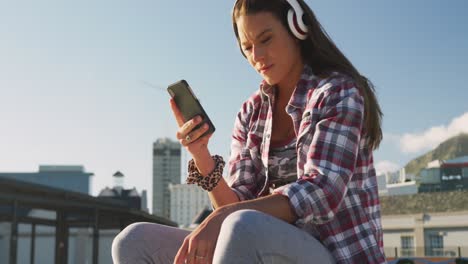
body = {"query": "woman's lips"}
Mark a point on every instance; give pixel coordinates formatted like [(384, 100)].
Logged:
[(265, 69)]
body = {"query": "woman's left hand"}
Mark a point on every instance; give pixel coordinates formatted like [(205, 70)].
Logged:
[(199, 246)]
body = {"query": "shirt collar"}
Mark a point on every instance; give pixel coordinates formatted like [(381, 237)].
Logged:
[(298, 98)]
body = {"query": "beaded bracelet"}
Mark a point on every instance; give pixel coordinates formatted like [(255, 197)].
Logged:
[(209, 182)]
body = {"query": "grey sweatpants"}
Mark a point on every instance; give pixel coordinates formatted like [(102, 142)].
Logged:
[(246, 236)]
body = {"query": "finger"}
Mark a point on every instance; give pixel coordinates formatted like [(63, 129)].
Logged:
[(200, 254), (194, 137), (196, 134), (192, 250), (184, 142), (206, 137), (182, 253), (178, 115), (187, 127), (191, 124), (209, 255)]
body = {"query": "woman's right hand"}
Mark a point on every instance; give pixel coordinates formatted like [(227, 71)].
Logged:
[(192, 140)]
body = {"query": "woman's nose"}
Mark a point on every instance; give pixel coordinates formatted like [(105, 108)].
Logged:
[(258, 53)]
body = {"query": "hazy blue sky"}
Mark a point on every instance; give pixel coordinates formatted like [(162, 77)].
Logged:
[(71, 76)]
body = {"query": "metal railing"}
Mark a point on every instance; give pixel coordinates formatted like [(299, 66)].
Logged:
[(445, 252)]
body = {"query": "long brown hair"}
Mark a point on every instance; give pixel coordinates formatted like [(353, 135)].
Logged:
[(319, 51)]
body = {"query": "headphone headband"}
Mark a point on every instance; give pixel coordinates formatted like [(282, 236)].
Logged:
[(295, 19)]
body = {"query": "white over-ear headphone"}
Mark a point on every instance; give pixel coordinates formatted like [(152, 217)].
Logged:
[(295, 20)]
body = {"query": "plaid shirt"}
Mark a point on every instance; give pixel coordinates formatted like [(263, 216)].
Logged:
[(335, 196)]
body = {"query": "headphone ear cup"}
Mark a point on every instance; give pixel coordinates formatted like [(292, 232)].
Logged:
[(294, 25)]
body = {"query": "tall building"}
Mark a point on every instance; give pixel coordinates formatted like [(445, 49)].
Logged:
[(166, 170), (187, 201)]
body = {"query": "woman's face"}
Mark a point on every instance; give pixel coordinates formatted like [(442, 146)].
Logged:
[(268, 46)]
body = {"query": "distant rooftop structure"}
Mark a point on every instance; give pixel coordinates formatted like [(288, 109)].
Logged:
[(433, 164), (67, 177), (118, 179), (60, 168), (396, 183), (129, 196), (402, 188), (166, 141), (445, 175), (118, 174), (119, 192), (461, 161)]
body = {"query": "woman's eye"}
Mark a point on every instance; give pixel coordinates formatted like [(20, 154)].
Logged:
[(266, 40), (247, 49)]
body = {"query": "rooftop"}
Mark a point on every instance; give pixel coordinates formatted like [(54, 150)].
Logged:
[(112, 213), (118, 191), (459, 160)]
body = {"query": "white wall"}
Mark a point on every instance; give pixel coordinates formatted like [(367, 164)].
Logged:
[(452, 239), (446, 220), (453, 226), (392, 240), (398, 222), (187, 201)]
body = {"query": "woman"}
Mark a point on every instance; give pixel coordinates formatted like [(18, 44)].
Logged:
[(301, 186)]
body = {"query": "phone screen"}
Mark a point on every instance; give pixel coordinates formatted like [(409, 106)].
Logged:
[(188, 103)]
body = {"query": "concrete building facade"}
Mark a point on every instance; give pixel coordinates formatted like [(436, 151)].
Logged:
[(428, 234), (396, 183), (445, 175), (166, 170), (426, 225), (187, 201)]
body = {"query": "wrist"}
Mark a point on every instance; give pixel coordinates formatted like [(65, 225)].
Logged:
[(204, 163), (228, 209), (224, 211), (213, 173), (201, 153)]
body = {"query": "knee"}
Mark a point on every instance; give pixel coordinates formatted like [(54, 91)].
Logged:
[(237, 237), (127, 241), (242, 222)]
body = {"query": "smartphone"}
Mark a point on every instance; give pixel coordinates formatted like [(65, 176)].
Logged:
[(188, 104)]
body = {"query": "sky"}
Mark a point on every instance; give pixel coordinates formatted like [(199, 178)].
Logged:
[(73, 74)]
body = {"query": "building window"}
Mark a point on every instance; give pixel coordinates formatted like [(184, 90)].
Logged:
[(407, 246), (436, 245)]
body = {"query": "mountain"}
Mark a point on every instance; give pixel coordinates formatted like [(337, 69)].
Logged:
[(451, 148)]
